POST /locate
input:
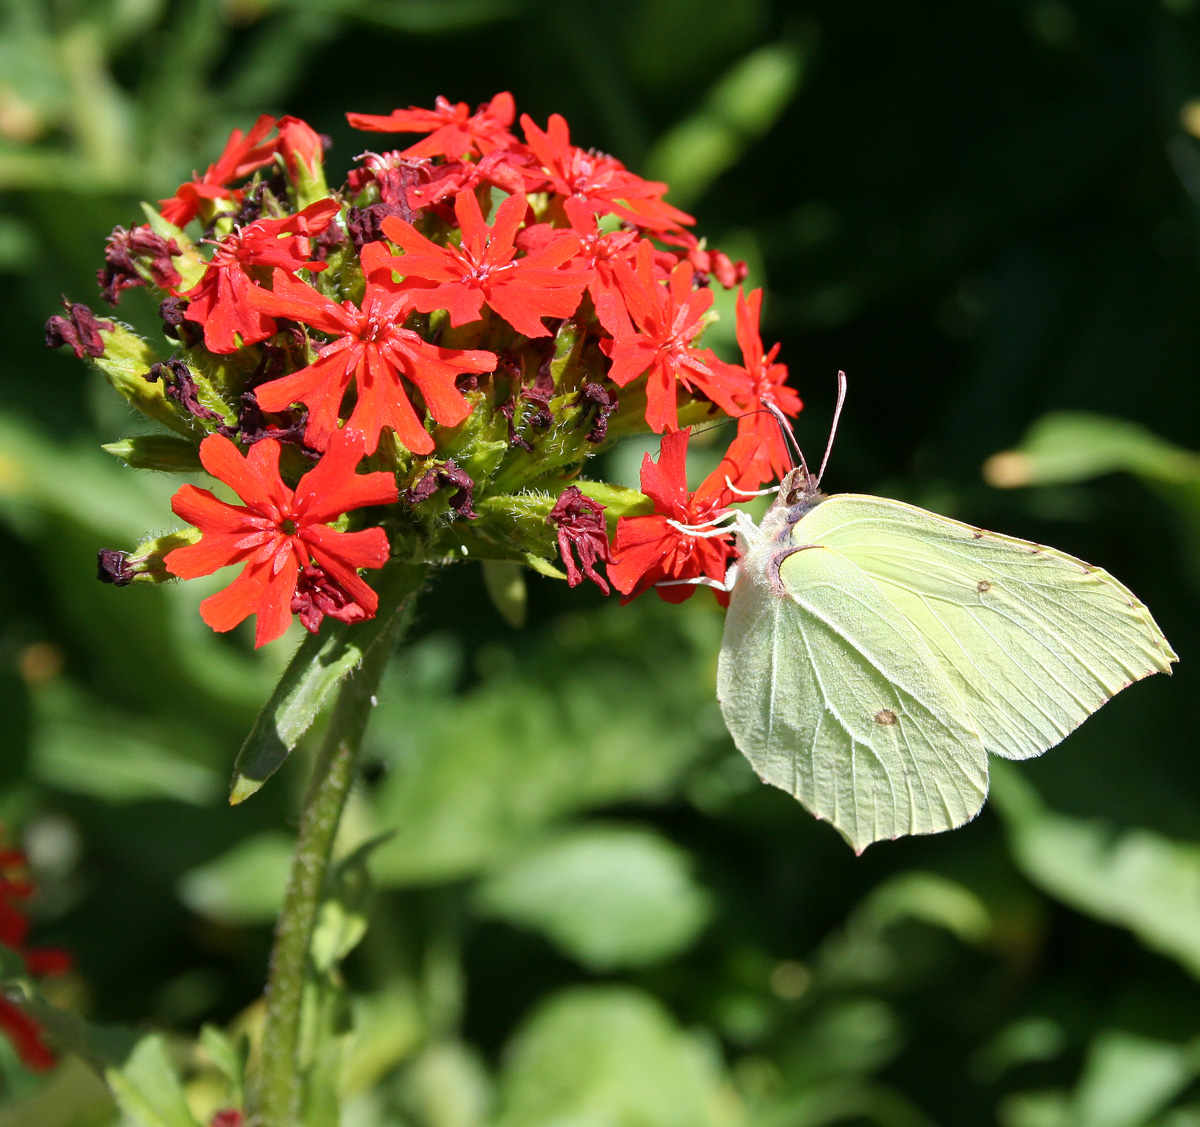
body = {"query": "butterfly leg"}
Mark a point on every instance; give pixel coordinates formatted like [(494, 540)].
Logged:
[(699, 581)]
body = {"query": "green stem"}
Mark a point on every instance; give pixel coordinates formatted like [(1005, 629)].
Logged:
[(281, 1078)]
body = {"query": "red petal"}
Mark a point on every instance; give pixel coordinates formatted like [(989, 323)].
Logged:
[(275, 607), (224, 610)]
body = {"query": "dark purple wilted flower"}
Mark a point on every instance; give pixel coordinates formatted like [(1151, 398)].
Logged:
[(580, 524)]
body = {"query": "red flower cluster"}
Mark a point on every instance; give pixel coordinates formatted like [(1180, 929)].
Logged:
[(477, 272), (21, 1029)]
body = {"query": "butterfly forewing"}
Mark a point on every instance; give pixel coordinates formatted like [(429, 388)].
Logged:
[(1032, 640), (834, 697)]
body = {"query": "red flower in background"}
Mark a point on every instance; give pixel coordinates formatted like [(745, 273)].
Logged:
[(374, 352), (601, 180), (655, 549), (220, 301), (759, 378), (453, 130), (484, 269), (22, 1030), (278, 532), (242, 155)]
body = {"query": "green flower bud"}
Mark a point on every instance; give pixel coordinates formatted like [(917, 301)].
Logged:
[(157, 452)]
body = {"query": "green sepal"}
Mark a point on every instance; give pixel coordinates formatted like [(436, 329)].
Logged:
[(617, 500), (308, 185), (126, 360), (543, 567), (157, 452), (518, 522), (146, 561), (320, 664), (505, 584)]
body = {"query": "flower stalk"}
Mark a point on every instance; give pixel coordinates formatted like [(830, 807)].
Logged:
[(281, 1084)]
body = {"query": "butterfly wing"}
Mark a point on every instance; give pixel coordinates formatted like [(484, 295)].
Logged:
[(834, 697), (1032, 639)]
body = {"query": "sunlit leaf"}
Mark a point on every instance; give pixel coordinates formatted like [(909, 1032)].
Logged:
[(243, 886), (610, 1057), (1135, 879), (608, 896), (148, 1089), (320, 664)]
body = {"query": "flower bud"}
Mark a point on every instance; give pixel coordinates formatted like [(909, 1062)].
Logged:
[(303, 151), (125, 362), (145, 563), (157, 452)]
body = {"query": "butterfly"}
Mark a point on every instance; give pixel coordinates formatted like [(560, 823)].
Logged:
[(874, 654)]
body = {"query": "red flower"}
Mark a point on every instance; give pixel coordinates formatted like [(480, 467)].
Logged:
[(277, 532), (220, 301), (757, 379), (667, 318), (22, 1030), (453, 130), (299, 142), (599, 252), (601, 180), (655, 549), (374, 351), (242, 155), (482, 269), (511, 172)]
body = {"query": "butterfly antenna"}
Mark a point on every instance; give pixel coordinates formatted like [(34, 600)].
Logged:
[(788, 434), (837, 414)]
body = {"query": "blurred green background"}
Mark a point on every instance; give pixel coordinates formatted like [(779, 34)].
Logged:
[(590, 913)]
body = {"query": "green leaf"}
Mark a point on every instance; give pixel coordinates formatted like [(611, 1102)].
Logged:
[(608, 896), (615, 707), (448, 1086), (1128, 1079), (243, 886), (227, 1058), (342, 920), (1135, 879), (505, 583), (83, 748), (1072, 446), (147, 1088), (740, 108), (609, 1057), (318, 667)]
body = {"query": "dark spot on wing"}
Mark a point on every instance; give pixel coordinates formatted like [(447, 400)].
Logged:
[(977, 534), (886, 717), (982, 586)]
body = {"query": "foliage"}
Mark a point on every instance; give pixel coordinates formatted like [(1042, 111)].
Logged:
[(985, 214)]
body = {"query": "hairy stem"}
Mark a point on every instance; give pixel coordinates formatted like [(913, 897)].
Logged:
[(281, 1078)]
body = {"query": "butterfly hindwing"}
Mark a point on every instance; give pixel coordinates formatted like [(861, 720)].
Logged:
[(1032, 639), (834, 697)]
